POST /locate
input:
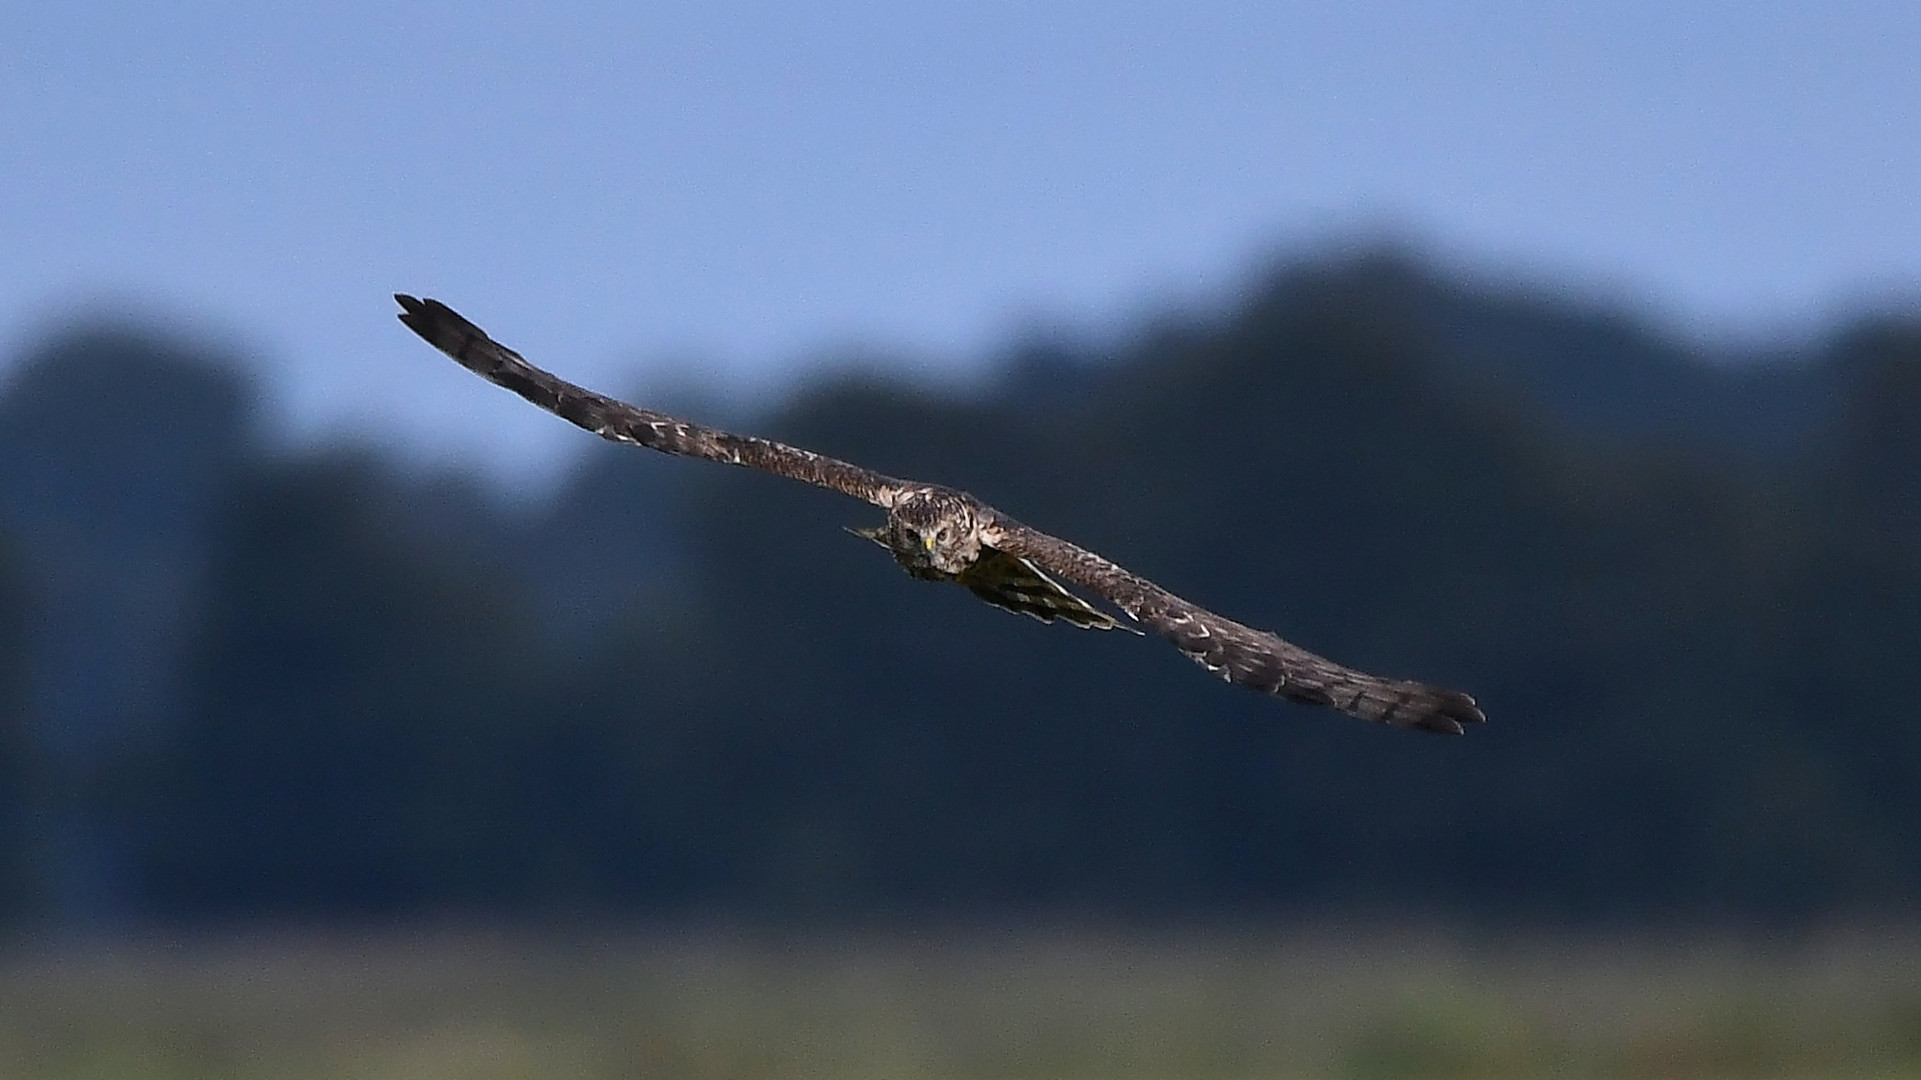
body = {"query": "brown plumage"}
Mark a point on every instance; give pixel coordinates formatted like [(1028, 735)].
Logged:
[(940, 534)]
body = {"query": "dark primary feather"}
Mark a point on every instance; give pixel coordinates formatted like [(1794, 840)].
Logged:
[(1012, 571), (446, 330)]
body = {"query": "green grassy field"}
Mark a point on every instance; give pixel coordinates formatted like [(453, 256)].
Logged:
[(1057, 1004)]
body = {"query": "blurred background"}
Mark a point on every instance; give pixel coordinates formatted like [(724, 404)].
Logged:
[(360, 719)]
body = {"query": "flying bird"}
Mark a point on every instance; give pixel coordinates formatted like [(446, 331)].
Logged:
[(940, 534)]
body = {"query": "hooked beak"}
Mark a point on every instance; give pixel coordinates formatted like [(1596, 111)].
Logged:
[(927, 541)]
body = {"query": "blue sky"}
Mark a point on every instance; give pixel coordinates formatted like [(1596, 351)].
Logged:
[(724, 193)]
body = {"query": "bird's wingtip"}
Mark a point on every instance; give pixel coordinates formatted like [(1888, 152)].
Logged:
[(1449, 713)]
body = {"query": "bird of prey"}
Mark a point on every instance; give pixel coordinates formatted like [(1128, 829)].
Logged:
[(941, 534)]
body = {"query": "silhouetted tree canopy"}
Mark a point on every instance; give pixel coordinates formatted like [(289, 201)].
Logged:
[(1689, 596), (17, 757)]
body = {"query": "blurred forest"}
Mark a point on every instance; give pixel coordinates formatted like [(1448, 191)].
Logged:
[(241, 682)]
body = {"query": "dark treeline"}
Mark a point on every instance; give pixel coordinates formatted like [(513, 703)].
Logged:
[(241, 683)]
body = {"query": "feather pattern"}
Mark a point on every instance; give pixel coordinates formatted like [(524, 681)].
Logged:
[(469, 345), (1241, 654), (1011, 582)]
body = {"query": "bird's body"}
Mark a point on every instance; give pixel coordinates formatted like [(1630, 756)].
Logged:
[(941, 534), (934, 532)]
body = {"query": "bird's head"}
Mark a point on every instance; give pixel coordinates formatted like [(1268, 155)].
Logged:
[(934, 532)]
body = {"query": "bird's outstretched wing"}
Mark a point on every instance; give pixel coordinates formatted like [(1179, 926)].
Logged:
[(446, 330), (1241, 654), (1015, 567)]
